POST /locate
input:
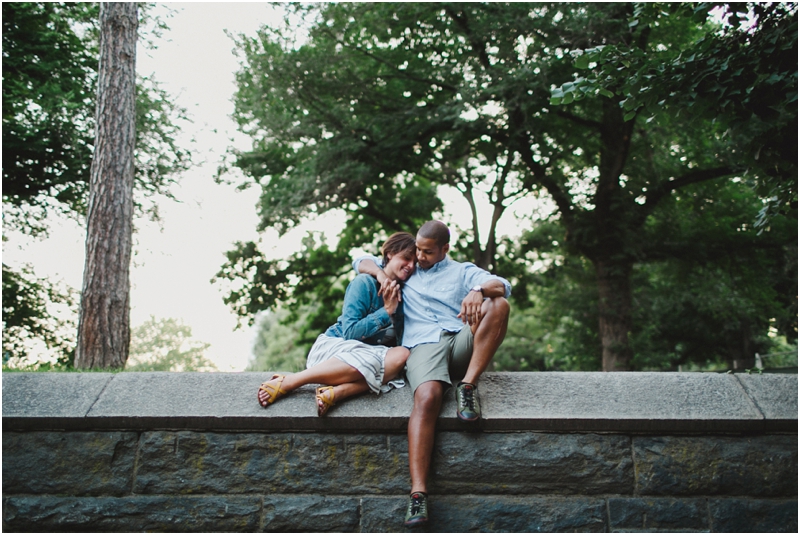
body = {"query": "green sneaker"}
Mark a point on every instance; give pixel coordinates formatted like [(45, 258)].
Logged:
[(417, 512), (469, 409)]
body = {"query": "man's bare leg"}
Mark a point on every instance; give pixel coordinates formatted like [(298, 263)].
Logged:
[(421, 432), (487, 337)]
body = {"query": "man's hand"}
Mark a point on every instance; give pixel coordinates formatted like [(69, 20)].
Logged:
[(391, 296), (471, 309)]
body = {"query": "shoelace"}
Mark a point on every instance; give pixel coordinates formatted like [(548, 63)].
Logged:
[(468, 397), (417, 504)]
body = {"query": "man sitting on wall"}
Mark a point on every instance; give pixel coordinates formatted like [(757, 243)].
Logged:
[(439, 300)]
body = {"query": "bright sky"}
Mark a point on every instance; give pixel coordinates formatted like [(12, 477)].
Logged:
[(175, 259)]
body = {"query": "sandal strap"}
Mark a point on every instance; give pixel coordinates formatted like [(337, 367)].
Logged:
[(274, 390), (325, 394)]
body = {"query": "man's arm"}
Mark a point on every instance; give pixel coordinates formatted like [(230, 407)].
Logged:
[(471, 306), (368, 266)]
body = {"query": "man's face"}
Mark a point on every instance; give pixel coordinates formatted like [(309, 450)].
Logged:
[(428, 253)]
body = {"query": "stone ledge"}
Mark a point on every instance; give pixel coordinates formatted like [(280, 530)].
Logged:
[(639, 402)]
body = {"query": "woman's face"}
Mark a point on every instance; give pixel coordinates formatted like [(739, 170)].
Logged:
[(400, 266)]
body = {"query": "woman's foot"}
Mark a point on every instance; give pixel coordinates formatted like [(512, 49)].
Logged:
[(324, 399), (270, 391)]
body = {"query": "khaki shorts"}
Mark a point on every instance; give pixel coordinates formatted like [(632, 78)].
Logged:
[(445, 360)]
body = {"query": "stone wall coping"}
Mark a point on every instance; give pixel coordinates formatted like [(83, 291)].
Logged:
[(626, 402)]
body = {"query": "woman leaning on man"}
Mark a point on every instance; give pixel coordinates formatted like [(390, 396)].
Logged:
[(361, 351)]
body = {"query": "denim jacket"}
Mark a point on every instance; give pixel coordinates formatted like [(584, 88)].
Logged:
[(364, 318)]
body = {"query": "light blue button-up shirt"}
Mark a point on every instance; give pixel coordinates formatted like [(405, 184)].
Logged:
[(432, 297)]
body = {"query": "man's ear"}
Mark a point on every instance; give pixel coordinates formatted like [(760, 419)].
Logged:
[(446, 248)]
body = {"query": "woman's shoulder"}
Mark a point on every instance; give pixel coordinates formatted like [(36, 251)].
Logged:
[(364, 283)]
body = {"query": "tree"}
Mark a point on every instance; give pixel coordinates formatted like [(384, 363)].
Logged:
[(460, 94), (744, 76), (50, 63), (166, 345), (104, 324)]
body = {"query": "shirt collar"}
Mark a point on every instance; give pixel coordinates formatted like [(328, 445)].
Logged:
[(441, 264)]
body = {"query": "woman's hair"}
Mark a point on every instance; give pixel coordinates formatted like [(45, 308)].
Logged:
[(399, 242)]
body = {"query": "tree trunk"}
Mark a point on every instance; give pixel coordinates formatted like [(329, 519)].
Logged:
[(104, 325), (614, 290)]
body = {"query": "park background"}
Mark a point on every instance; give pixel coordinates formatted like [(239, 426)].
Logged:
[(726, 299)]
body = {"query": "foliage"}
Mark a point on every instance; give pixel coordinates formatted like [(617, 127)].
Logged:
[(280, 344), (744, 77), (50, 61), (720, 292), (36, 310), (166, 345), (461, 96)]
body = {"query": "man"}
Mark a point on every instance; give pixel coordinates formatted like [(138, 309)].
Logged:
[(440, 299)]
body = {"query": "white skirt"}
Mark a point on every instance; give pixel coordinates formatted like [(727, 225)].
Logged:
[(368, 360)]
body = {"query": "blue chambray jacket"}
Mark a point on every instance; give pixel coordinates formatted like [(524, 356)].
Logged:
[(364, 318)]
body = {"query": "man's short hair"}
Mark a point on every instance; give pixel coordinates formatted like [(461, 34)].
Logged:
[(436, 231)]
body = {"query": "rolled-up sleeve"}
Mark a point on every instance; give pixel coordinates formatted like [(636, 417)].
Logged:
[(475, 276), (358, 260)]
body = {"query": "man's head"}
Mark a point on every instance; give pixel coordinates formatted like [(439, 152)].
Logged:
[(433, 242)]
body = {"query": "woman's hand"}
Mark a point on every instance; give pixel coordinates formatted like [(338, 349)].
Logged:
[(391, 296)]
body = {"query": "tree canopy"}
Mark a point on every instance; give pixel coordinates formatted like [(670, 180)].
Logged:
[(50, 61), (515, 100)]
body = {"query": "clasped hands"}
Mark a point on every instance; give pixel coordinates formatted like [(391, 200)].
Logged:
[(391, 292), (471, 306)]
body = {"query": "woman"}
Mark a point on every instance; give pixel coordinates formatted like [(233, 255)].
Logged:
[(353, 356)]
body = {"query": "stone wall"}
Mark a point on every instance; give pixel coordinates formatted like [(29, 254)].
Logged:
[(554, 452)]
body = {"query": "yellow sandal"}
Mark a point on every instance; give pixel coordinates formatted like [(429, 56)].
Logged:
[(273, 388), (325, 395)]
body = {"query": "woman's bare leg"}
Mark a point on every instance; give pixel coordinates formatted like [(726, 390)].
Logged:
[(330, 372), (347, 381)]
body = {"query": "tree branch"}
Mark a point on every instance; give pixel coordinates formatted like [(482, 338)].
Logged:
[(655, 195)]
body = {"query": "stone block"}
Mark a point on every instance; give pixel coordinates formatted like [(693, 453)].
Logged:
[(753, 516), (658, 514), (733, 466), (531, 463), (775, 395), (29, 399), (72, 463), (188, 462), (618, 402), (43, 514), (227, 401), (311, 514), (488, 513)]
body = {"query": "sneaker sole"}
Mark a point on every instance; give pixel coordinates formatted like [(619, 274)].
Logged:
[(415, 523)]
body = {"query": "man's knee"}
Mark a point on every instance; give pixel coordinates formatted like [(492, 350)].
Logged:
[(496, 310), (428, 396)]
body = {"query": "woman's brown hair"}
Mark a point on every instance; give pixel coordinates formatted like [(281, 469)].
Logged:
[(397, 243)]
